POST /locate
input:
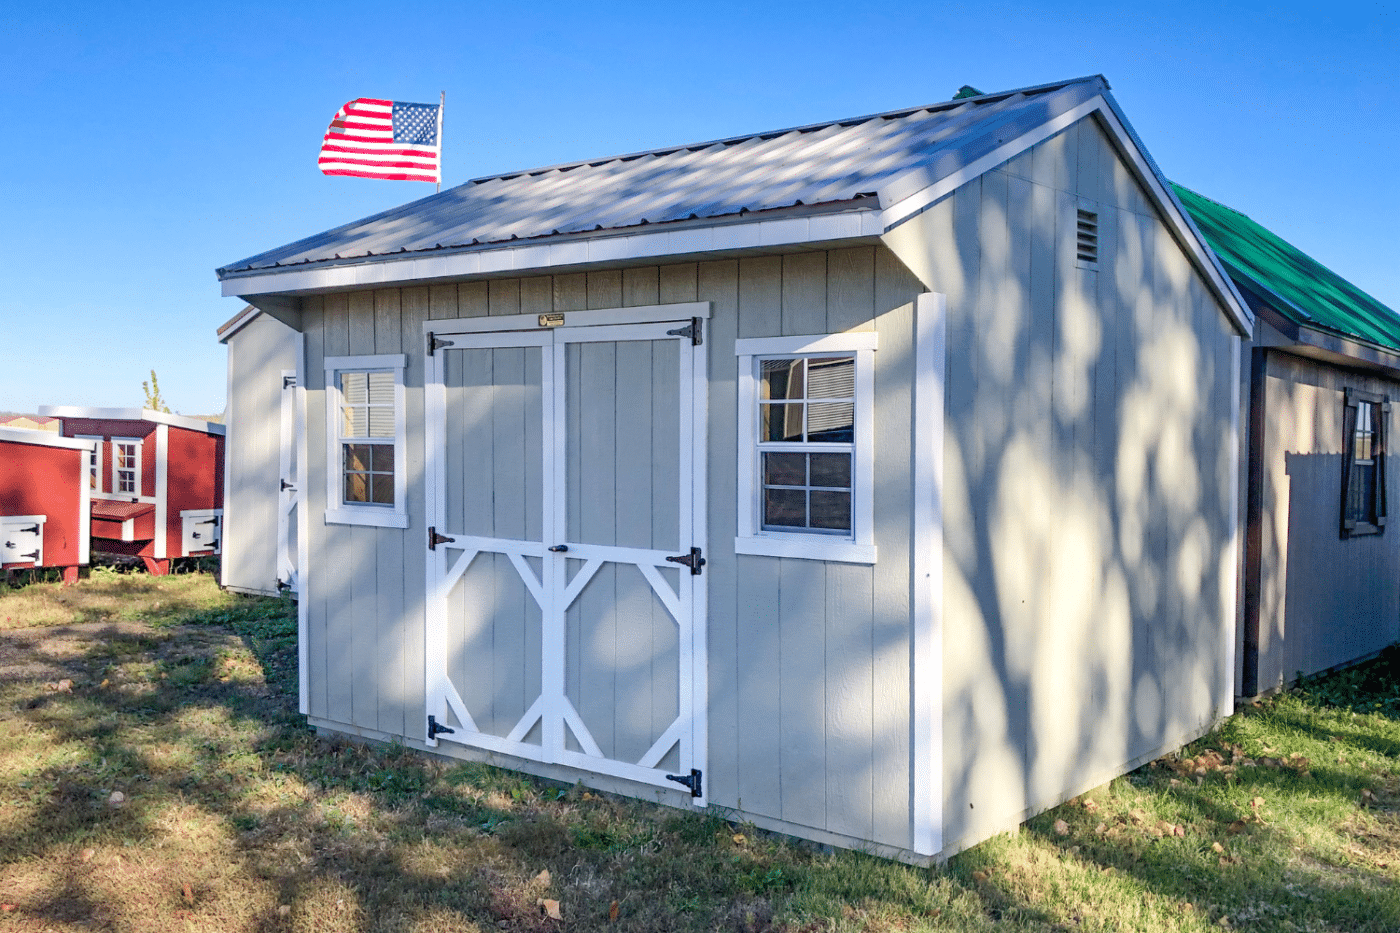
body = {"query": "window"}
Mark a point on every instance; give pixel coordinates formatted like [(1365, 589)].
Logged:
[(126, 466), (806, 446), (94, 461), (1363, 481), (365, 414)]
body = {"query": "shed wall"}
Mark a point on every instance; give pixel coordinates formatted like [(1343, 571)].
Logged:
[(257, 356), (808, 661), (1304, 626), (1089, 571)]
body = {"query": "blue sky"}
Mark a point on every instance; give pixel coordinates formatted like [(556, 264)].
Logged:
[(148, 144)]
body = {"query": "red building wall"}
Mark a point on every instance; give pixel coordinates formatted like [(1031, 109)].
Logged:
[(40, 480)]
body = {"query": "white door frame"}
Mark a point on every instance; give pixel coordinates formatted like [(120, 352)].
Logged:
[(450, 559)]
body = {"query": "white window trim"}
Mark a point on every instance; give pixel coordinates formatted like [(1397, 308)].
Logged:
[(94, 463), (116, 489), (859, 548), (341, 513)]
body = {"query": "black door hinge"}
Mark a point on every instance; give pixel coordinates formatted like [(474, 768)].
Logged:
[(693, 780), (286, 485), (289, 382), (283, 585), (694, 330), (31, 530), (434, 344), (693, 560), (434, 539), (32, 555), (436, 728)]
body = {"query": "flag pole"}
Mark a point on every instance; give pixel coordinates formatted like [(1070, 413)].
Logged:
[(442, 102)]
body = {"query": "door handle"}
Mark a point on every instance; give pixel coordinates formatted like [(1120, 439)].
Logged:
[(560, 548)]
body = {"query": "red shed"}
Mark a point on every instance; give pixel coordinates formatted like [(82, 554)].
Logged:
[(156, 480), (44, 501)]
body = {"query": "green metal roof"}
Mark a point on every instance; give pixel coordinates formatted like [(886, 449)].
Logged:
[(1292, 282)]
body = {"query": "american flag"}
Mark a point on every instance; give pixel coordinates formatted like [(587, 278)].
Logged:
[(372, 138)]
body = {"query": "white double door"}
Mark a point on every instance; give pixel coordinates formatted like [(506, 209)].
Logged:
[(565, 483)]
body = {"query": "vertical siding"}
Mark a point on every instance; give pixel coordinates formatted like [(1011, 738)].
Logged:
[(1303, 626), (1086, 511), (809, 662)]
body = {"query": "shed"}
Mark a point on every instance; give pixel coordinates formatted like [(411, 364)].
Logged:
[(264, 445), (156, 481), (1320, 566), (873, 479), (44, 501)]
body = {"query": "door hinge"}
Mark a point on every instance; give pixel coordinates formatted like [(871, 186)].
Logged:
[(283, 585), (694, 330), (693, 780), (31, 530), (436, 728), (32, 555), (693, 560), (434, 539), (434, 344), (286, 485), (289, 382)]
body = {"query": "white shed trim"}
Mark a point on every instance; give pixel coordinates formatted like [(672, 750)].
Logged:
[(45, 439), (1234, 574), (162, 548), (930, 348), (131, 414)]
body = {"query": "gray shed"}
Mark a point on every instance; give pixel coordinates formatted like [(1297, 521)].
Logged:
[(263, 449), (874, 480), (1320, 375)]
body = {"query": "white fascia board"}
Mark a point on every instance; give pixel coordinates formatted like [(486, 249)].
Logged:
[(1202, 256), (861, 223), (132, 414), (45, 439)]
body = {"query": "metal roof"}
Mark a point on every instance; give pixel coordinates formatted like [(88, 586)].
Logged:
[(840, 165), (1293, 283)]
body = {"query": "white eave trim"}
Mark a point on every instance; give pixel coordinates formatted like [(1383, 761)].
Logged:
[(772, 234), (44, 438), (1201, 255), (131, 414), (236, 323)]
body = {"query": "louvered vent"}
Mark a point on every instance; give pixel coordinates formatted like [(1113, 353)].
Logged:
[(1087, 245)]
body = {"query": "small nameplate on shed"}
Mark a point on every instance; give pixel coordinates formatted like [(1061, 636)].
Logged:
[(552, 320)]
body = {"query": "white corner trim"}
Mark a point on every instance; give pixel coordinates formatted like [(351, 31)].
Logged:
[(162, 545), (84, 516), (931, 331), (303, 535), (1231, 594)]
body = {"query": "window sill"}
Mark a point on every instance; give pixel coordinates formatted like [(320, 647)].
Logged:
[(382, 518), (806, 547), (1362, 529)]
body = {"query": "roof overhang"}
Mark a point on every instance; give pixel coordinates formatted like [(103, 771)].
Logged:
[(904, 204), (813, 227), (131, 414), (1331, 348), (44, 439)]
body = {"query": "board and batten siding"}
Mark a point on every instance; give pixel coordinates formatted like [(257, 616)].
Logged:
[(1302, 626), (809, 662), (1089, 568), (258, 354)]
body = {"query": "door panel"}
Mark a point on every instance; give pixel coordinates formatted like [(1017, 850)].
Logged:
[(563, 468)]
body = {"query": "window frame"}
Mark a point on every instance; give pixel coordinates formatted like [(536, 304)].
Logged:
[(1353, 527), (338, 511), (858, 547), (94, 461), (117, 468)]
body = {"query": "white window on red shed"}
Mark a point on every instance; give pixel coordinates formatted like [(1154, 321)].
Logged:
[(126, 466), (94, 461)]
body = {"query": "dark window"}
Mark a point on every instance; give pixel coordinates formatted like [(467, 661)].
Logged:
[(1363, 480)]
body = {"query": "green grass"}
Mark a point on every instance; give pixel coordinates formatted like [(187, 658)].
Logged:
[(234, 816)]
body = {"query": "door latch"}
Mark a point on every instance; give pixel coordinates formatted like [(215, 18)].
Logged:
[(560, 549), (693, 560)]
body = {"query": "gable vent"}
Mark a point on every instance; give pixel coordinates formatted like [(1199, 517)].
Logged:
[(1087, 245)]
